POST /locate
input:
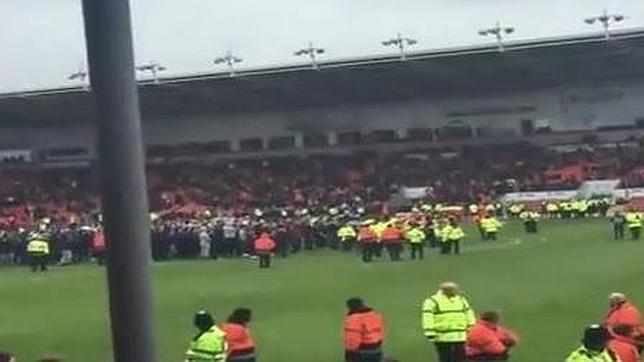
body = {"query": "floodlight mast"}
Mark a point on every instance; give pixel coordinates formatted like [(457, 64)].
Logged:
[(498, 31), (401, 43), (605, 20), (230, 60), (124, 195), (312, 53), (81, 76), (153, 67)]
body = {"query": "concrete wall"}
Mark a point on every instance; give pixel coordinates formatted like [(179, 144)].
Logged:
[(566, 109)]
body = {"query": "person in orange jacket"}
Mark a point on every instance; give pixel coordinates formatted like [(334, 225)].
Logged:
[(488, 340), (241, 347), (364, 333), (99, 247), (622, 311), (367, 239), (623, 344), (393, 238), (264, 246)]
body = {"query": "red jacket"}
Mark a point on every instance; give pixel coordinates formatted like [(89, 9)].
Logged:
[(392, 235), (364, 329), (485, 339), (624, 313), (240, 342), (624, 348), (264, 244), (366, 235), (98, 241)]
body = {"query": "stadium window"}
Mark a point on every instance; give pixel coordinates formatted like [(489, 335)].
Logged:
[(382, 136), (527, 127), (589, 138), (187, 149), (455, 130), (639, 123), (217, 147), (251, 144), (419, 135), (349, 138), (495, 132), (281, 143), (158, 151), (315, 140), (67, 152)]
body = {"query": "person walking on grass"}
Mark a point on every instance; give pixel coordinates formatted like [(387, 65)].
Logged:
[(264, 246), (38, 250), (209, 345), (446, 319), (364, 333), (593, 348), (241, 347), (488, 340), (623, 343), (416, 238)]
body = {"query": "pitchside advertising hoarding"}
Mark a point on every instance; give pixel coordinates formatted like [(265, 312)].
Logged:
[(586, 190)]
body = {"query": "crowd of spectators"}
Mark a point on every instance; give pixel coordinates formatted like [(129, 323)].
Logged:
[(367, 180), (302, 200)]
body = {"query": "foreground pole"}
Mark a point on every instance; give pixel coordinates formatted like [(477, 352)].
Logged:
[(125, 206)]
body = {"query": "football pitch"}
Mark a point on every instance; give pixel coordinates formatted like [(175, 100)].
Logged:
[(548, 287)]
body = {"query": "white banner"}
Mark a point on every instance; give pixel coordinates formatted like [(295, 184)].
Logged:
[(598, 187), (628, 193), (538, 196), (415, 192), (565, 195)]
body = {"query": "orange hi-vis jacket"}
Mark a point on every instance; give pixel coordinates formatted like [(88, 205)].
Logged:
[(625, 313), (487, 340), (264, 244), (366, 235), (98, 241), (240, 342), (625, 348), (363, 330), (392, 235)]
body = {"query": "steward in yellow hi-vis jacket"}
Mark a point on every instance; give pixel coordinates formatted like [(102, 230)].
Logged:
[(446, 318)]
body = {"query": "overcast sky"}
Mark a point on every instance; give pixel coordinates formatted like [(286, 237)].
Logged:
[(41, 41)]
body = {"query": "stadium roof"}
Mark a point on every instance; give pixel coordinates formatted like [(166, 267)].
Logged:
[(524, 65)]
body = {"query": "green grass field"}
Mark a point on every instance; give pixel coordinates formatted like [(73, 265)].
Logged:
[(549, 286)]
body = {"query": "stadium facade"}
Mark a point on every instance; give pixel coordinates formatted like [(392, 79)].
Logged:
[(561, 90)]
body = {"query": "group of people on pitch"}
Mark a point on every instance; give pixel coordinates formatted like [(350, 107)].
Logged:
[(448, 322)]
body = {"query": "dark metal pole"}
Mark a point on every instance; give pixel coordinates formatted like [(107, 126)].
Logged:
[(125, 205)]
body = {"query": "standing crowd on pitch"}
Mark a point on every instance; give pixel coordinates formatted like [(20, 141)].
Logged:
[(290, 231), (448, 321), (256, 238)]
